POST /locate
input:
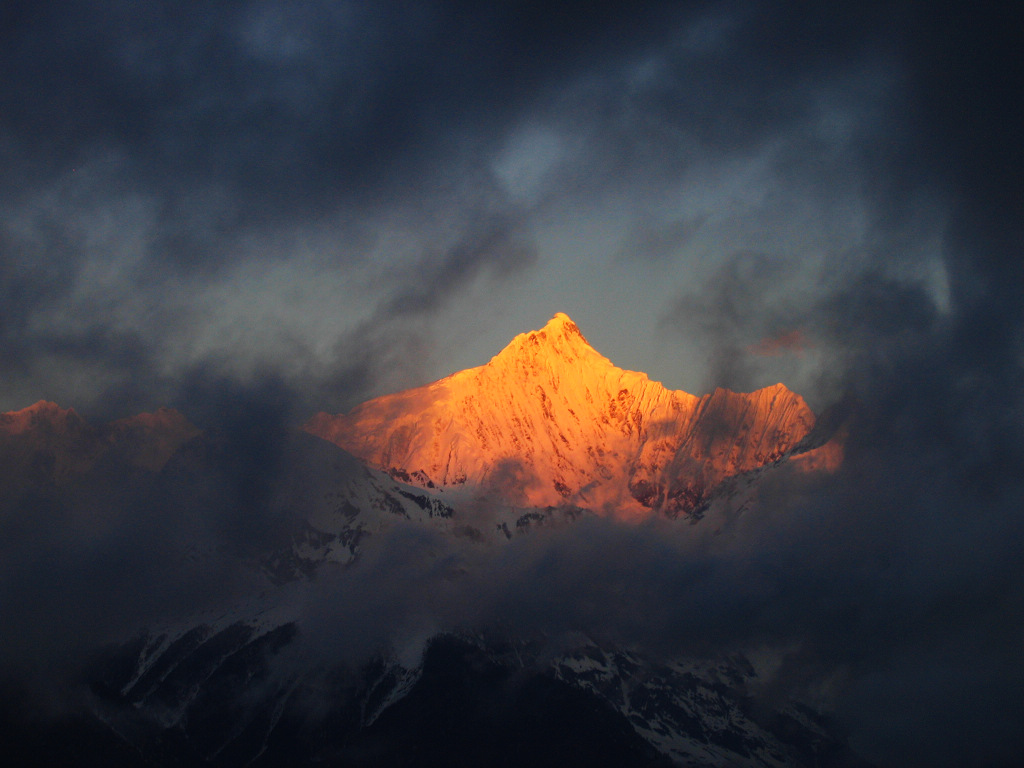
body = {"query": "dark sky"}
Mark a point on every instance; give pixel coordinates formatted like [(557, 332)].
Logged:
[(296, 206), (357, 198)]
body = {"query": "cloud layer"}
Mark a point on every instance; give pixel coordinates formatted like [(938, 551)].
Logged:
[(270, 189)]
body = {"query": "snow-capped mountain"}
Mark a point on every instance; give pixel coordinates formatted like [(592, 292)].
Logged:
[(475, 470), (549, 421)]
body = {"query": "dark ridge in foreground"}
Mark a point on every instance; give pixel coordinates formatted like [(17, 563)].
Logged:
[(236, 697)]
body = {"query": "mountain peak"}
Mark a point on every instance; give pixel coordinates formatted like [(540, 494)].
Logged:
[(560, 341), (550, 421), (562, 324)]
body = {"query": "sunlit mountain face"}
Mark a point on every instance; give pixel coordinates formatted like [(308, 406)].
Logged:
[(549, 421)]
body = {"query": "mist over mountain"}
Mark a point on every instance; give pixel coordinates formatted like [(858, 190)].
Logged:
[(257, 551), (403, 592)]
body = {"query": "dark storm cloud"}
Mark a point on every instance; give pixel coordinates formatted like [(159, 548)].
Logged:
[(745, 300), (493, 247), (896, 580), (732, 79), (115, 549), (89, 565), (494, 244), (290, 106), (905, 573), (227, 124), (230, 122), (173, 146)]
